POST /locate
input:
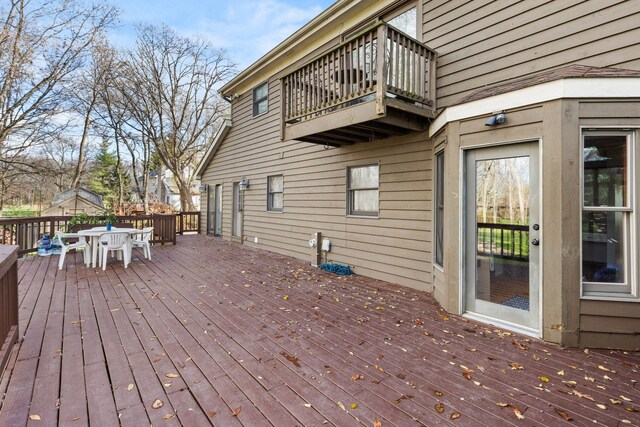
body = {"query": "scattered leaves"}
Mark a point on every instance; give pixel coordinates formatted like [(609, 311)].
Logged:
[(601, 406), (544, 379), (626, 399), (356, 377), (604, 368), (130, 387), (172, 375), (307, 405), (286, 297), (438, 393), (377, 423), (168, 416), (236, 411), (341, 406), (378, 368), (561, 373), (354, 405), (515, 366), (563, 414), (439, 408), (157, 404), (35, 417), (455, 415)]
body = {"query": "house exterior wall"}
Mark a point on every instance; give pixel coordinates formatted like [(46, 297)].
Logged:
[(394, 246), (568, 318), (479, 43), (482, 43)]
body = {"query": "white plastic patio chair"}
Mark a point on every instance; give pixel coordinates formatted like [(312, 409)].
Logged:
[(65, 246), (142, 240), (115, 242)]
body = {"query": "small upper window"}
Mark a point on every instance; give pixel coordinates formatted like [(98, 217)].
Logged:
[(275, 193), (261, 99), (362, 190), (405, 22)]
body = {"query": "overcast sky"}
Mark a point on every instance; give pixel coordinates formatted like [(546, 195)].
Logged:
[(247, 29)]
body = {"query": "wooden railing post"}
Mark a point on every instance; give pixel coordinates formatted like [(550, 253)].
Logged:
[(8, 301), (381, 87)]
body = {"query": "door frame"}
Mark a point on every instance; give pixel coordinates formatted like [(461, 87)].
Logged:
[(237, 211), (462, 227), (217, 213)]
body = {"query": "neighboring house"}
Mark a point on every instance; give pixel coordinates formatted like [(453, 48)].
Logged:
[(163, 189), (75, 201), (489, 153)]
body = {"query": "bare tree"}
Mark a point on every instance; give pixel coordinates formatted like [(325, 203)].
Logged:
[(173, 82), (42, 44)]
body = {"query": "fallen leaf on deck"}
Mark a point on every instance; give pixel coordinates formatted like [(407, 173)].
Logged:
[(626, 399), (438, 393), (439, 408), (211, 413), (341, 406), (354, 405), (604, 368), (466, 375), (130, 387), (519, 345), (625, 422), (379, 308), (114, 309), (467, 370), (515, 366), (286, 297), (517, 412), (561, 373), (544, 379), (291, 358), (601, 406), (171, 375), (419, 322), (615, 401), (631, 409), (168, 416), (563, 414), (356, 377), (535, 357), (584, 396), (157, 404), (377, 423), (236, 411), (378, 368), (455, 415), (502, 404), (34, 417), (307, 405)]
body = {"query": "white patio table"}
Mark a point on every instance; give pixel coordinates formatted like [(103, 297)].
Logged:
[(96, 232)]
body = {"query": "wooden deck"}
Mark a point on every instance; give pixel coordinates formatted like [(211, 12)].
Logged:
[(216, 333)]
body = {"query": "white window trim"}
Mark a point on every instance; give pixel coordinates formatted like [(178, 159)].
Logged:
[(270, 207), (631, 209), (359, 214), (439, 152), (254, 102)]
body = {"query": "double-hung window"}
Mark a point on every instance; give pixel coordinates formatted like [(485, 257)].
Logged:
[(261, 99), (275, 193), (609, 231), (362, 190)]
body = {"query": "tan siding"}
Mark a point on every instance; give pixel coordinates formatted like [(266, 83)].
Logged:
[(481, 43), (395, 246)]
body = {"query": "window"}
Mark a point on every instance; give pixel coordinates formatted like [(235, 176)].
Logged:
[(275, 193), (607, 213), (261, 99), (439, 207), (362, 190), (405, 22)]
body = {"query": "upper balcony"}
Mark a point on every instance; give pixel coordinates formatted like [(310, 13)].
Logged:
[(358, 92)]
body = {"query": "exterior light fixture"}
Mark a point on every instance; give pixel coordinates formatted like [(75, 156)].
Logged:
[(244, 184), (203, 187), (496, 119)]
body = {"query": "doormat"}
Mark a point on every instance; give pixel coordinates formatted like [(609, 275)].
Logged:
[(519, 302)]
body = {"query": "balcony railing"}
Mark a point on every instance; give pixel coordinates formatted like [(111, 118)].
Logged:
[(400, 76), (510, 241)]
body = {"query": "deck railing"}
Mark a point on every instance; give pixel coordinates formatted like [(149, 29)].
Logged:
[(509, 241), (25, 232), (8, 301), (359, 71)]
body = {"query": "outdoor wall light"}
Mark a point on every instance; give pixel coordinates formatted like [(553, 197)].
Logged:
[(203, 187), (244, 184), (496, 119)]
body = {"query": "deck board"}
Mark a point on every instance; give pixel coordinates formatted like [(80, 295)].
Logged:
[(210, 327)]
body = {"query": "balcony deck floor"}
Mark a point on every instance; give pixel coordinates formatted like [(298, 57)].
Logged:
[(217, 333)]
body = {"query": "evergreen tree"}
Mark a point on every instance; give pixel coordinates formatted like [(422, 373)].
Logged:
[(105, 177)]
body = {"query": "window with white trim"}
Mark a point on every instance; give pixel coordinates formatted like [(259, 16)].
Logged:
[(261, 99), (362, 190), (275, 193), (608, 214)]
